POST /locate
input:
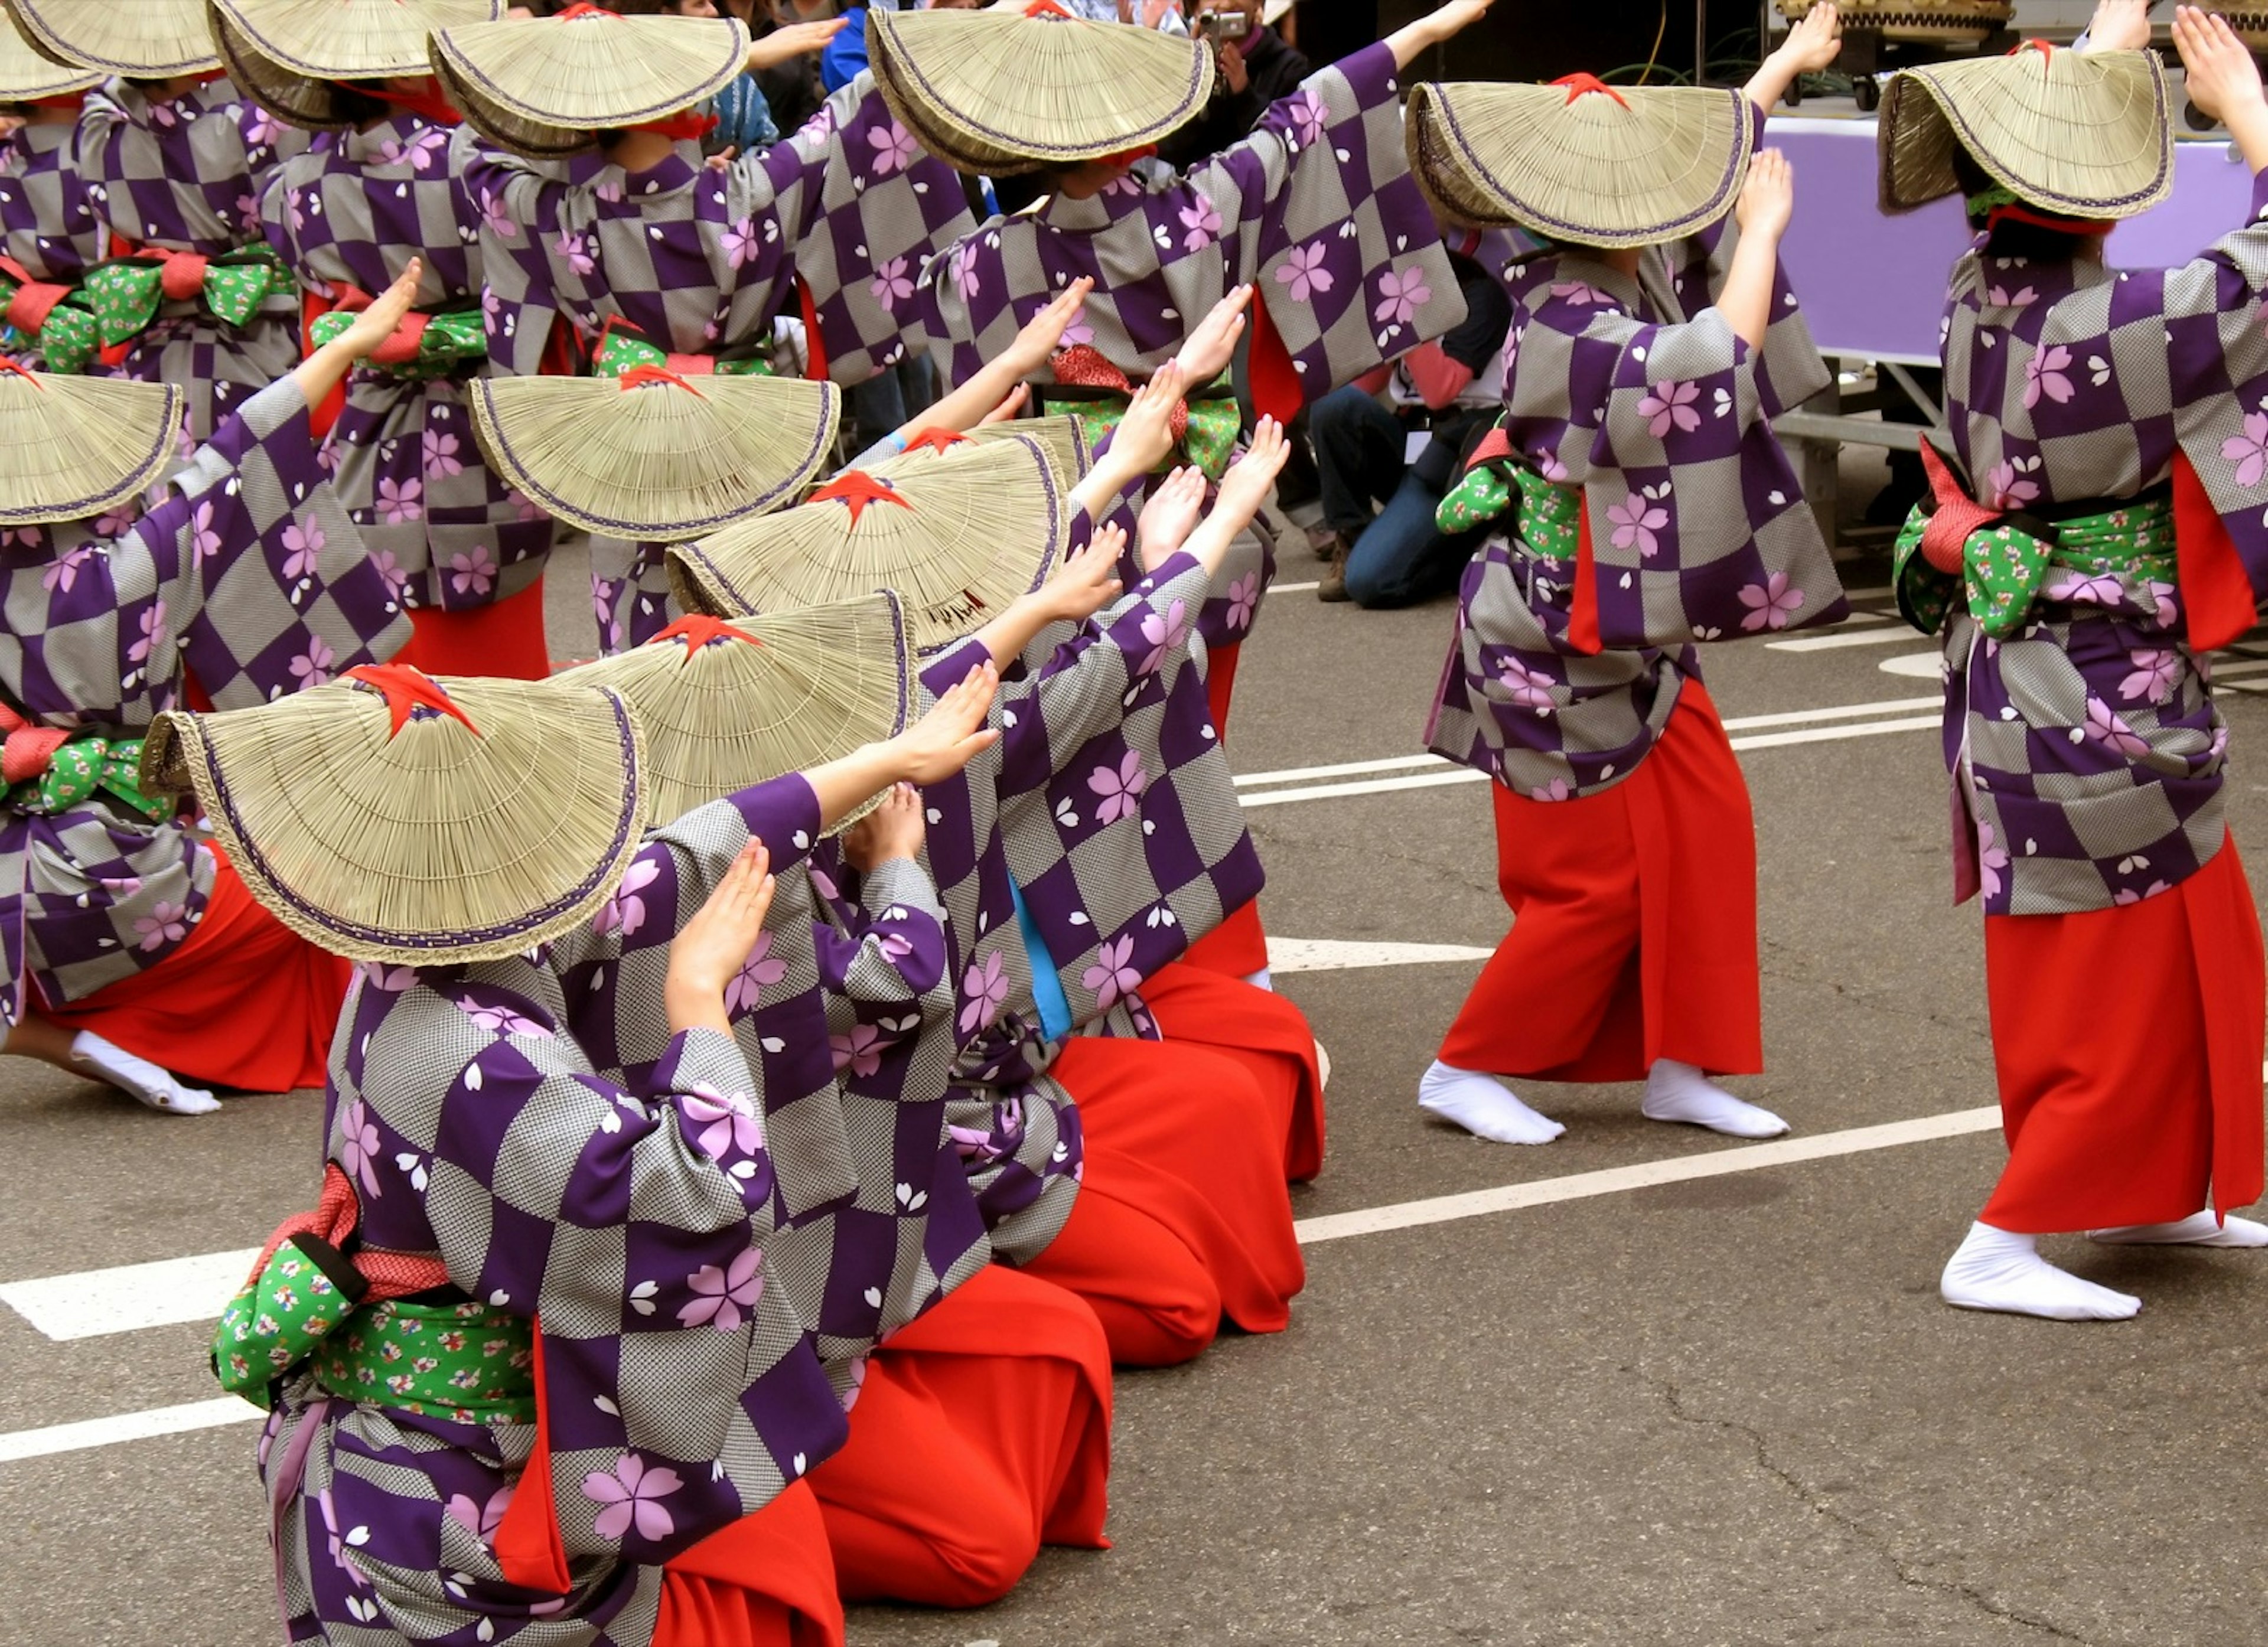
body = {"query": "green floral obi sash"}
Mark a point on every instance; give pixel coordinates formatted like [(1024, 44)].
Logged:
[(80, 768), (1549, 519), (470, 1363), (619, 355), (2006, 565), (1096, 393), (451, 345)]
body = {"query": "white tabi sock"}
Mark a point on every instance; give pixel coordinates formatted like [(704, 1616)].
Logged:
[(1483, 1106), (1999, 1269), (149, 1083), (2199, 1229), (1678, 1092), (1261, 981), (1322, 1066)]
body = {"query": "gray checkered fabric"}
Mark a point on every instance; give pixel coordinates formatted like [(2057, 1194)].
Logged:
[(186, 174), (1637, 399), (46, 223), (250, 577), (2088, 753)]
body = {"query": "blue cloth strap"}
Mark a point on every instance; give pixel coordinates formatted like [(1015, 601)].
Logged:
[(1047, 987)]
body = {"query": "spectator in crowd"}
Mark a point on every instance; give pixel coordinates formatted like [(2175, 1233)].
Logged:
[(744, 115), (1256, 66), (1445, 395)]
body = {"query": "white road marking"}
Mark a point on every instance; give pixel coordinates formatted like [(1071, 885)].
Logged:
[(1344, 770), (143, 1426), (1323, 954), (1838, 639), (1846, 712), (132, 1297), (1915, 665), (1615, 1180), (1834, 734), (228, 1411), (1294, 588)]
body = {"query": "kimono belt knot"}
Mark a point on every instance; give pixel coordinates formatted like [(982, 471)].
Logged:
[(1944, 540)]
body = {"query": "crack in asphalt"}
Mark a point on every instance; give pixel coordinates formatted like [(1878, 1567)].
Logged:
[(1674, 1401)]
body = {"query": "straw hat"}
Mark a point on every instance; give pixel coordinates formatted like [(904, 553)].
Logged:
[(547, 86), (1957, 21), (959, 538), (288, 55), (655, 458), (1000, 91), (728, 703), (27, 74), (391, 817), (72, 448), (144, 39), (2084, 134), (1063, 438), (1579, 161)]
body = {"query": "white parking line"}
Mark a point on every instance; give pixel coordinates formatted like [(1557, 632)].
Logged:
[(228, 1411), (130, 1297), (1838, 639), (1323, 954)]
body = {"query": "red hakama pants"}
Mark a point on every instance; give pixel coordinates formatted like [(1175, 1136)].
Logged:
[(1237, 947), (981, 1432), (2129, 1044), (1183, 1217), (244, 1002), (765, 1581), (1262, 1032), (1634, 922), (504, 640)]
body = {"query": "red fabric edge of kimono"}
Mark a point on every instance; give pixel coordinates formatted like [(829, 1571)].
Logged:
[(2217, 594), (1583, 606), (814, 340), (1277, 390), (529, 1551), (767, 1580)]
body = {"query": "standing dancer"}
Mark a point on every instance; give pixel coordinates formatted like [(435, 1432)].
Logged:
[(464, 552), (655, 259), (2106, 531), (173, 159), (48, 237), (1651, 506), (130, 949), (558, 1138)]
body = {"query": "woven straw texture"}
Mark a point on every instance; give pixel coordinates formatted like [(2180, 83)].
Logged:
[(726, 704), (2082, 136), (660, 460), (545, 86), (286, 54), (71, 448), (958, 540), (27, 73), (146, 38), (1633, 168), (1063, 438), (1949, 21), (1002, 91), (432, 844), (2251, 24)]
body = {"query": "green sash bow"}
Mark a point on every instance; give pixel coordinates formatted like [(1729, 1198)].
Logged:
[(87, 764), (1215, 421), (619, 356), (127, 293), (2003, 566), (67, 340), (450, 343)]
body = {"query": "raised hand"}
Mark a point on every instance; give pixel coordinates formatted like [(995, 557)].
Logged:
[(1088, 580), (1011, 407), (893, 830), (1815, 41), (1767, 202), (1043, 334), (1169, 517), (796, 39), (2223, 76), (2119, 26), (713, 946), (951, 735), (1246, 485), (1146, 434), (380, 321), (1209, 348)]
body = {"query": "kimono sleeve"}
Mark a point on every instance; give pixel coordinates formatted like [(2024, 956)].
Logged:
[(2200, 325), (674, 1390), (885, 974), (284, 594), (1324, 218), (1695, 523), (863, 208), (516, 206), (183, 172)]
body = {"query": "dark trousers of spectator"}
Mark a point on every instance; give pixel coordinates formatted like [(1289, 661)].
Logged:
[(1397, 558)]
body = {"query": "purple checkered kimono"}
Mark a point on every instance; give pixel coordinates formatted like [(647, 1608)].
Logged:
[(703, 262), (1635, 403), (248, 577), (46, 223), (186, 174), (1109, 806), (1316, 209), (348, 215), (2087, 749), (534, 1121)]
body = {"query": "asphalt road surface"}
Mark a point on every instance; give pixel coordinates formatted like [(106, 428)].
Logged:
[(1713, 1401)]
